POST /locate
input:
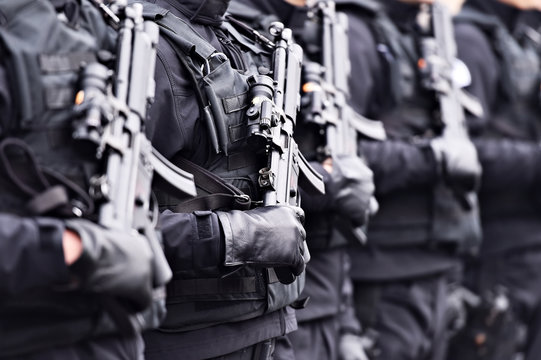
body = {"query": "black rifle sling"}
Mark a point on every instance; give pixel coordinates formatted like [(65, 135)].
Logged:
[(220, 195), (37, 183)]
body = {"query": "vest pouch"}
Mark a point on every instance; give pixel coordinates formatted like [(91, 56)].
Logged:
[(280, 295), (403, 220), (227, 92), (454, 226), (202, 302)]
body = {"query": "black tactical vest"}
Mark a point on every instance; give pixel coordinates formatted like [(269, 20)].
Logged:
[(43, 55), (520, 72), (224, 97)]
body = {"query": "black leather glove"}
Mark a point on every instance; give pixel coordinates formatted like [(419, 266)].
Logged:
[(269, 236), (114, 263), (352, 188), (459, 163)]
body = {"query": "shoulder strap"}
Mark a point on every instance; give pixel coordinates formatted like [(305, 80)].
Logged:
[(191, 48), (180, 32)]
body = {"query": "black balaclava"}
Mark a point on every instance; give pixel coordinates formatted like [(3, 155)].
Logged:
[(292, 16), (207, 12), (507, 14)]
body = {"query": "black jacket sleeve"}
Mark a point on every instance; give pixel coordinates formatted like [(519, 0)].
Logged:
[(31, 254), (508, 164), (399, 165)]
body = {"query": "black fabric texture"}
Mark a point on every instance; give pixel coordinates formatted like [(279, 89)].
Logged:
[(410, 317), (218, 340), (508, 195)]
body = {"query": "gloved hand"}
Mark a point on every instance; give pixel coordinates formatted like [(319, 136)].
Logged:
[(350, 347), (459, 163), (352, 189), (114, 263), (269, 236)]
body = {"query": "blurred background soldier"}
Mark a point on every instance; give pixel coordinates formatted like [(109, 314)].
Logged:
[(224, 301), (425, 175), (348, 181), (504, 63), (69, 289)]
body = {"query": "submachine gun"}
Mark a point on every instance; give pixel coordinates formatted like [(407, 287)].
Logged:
[(456, 219), (113, 108), (439, 54), (271, 122), (326, 94)]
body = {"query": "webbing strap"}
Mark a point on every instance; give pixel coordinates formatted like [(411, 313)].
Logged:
[(65, 62), (236, 103), (220, 193)]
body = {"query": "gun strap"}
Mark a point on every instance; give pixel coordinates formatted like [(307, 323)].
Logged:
[(220, 194), (178, 30)]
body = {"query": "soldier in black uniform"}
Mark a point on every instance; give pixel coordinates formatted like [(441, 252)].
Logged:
[(57, 274), (223, 301), (400, 276), (349, 186), (505, 66)]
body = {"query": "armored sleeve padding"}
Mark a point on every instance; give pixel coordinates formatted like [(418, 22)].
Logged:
[(193, 243), (31, 254), (508, 164)]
